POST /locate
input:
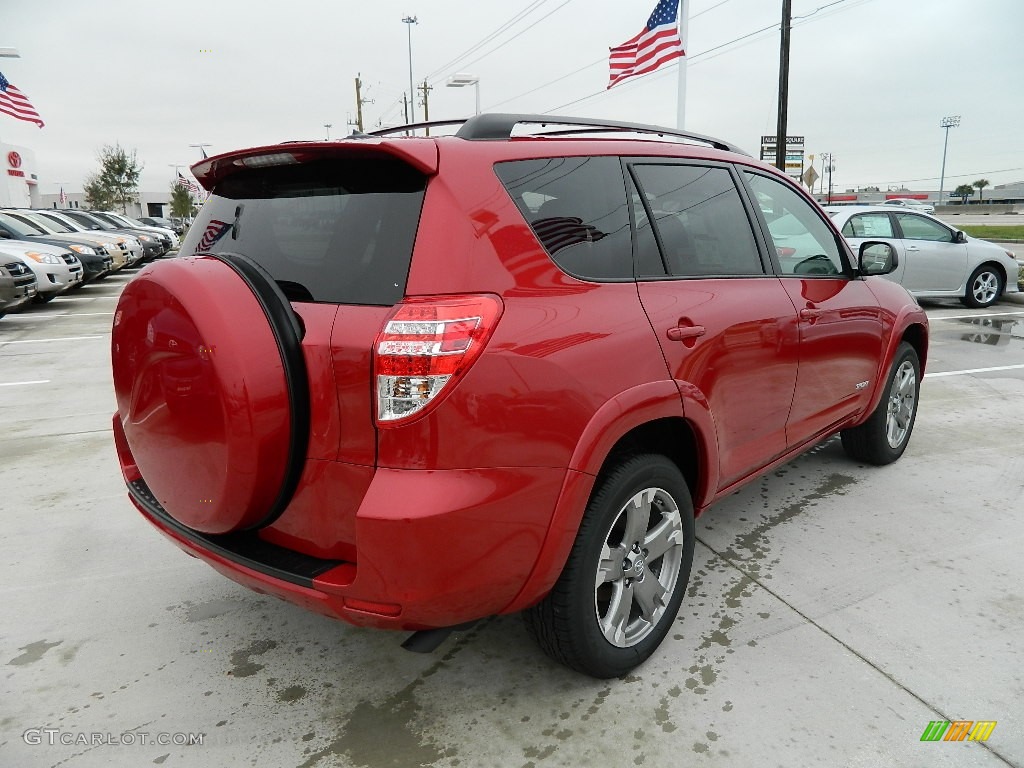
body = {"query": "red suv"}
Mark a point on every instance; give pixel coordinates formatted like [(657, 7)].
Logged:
[(410, 382)]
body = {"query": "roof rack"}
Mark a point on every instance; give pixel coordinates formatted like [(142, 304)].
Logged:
[(499, 127)]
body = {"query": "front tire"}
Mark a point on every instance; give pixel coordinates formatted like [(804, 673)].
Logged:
[(984, 287), (626, 574), (884, 436)]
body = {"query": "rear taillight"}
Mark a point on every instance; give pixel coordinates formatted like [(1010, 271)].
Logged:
[(425, 345)]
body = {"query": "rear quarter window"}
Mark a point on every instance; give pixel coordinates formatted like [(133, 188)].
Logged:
[(337, 231), (577, 208)]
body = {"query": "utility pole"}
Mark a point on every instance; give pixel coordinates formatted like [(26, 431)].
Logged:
[(425, 90), (780, 145), (359, 104), (405, 107)]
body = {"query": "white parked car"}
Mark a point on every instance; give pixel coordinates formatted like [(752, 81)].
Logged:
[(935, 260), (56, 269), (911, 204)]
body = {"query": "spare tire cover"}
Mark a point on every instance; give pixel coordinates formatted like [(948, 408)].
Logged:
[(203, 394)]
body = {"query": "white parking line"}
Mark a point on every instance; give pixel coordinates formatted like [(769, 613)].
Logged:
[(22, 383), (53, 314), (961, 317), (63, 338), (974, 370)]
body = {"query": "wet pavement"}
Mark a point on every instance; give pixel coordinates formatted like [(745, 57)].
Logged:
[(833, 612)]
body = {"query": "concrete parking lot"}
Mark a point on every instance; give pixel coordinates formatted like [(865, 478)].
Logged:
[(834, 609)]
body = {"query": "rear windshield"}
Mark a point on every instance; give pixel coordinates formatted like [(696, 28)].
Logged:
[(338, 231)]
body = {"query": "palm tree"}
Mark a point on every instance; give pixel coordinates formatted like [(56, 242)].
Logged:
[(981, 184), (963, 192)]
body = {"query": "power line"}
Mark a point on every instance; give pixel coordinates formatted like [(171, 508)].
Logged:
[(487, 38), (517, 34)]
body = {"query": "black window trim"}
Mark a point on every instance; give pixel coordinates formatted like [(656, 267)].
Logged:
[(846, 253), (629, 162)]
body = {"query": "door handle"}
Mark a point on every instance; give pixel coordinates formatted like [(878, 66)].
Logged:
[(912, 248), (684, 332), (811, 313)]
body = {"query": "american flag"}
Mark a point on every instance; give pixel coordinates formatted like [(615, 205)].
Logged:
[(14, 103), (62, 197), (657, 44), (215, 230), (191, 186)]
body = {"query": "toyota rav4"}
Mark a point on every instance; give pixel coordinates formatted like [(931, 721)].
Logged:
[(414, 381)]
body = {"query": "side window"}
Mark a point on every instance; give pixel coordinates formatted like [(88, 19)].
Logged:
[(919, 228), (805, 244), (869, 225), (577, 208), (699, 221)]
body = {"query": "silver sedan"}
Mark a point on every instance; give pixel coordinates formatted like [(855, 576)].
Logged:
[(935, 260)]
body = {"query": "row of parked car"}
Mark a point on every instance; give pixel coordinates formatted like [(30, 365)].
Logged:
[(46, 252)]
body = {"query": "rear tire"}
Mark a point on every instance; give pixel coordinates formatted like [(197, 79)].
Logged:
[(884, 436), (984, 287), (626, 574)]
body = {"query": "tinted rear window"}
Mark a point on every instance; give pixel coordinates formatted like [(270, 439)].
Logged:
[(577, 208), (338, 231)]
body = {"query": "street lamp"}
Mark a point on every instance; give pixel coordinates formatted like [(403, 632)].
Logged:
[(460, 79), (201, 148), (947, 122), (410, 20), (328, 127), (9, 53)]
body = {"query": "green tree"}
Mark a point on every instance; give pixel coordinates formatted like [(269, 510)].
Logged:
[(181, 201), (118, 179), (963, 192), (981, 184), (97, 195)]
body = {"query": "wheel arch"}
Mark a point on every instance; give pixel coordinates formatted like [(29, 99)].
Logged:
[(646, 419)]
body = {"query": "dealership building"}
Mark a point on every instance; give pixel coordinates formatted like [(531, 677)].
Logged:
[(19, 185)]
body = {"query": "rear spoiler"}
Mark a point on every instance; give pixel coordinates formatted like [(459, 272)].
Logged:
[(421, 154)]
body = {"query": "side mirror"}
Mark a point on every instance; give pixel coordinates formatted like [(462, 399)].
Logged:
[(4, 234), (959, 237), (876, 258)]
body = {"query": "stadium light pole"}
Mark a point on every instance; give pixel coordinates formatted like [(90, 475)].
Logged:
[(201, 148), (410, 20), (947, 122), (328, 127), (461, 79)]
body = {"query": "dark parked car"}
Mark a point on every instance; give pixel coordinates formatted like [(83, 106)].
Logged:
[(158, 221), (152, 245), (17, 283), (412, 382)]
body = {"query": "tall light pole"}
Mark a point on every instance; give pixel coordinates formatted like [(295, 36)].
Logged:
[(328, 127), (461, 79), (947, 122), (410, 20), (201, 148), (9, 53)]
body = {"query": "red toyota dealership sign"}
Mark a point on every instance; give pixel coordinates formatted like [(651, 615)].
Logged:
[(14, 159)]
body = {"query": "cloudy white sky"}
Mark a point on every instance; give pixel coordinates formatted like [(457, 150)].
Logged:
[(870, 79)]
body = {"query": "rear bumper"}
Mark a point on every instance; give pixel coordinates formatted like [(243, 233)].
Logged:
[(433, 549)]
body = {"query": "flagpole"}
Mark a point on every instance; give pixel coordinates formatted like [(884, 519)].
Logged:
[(684, 34)]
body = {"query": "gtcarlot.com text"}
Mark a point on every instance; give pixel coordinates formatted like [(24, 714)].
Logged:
[(55, 736)]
